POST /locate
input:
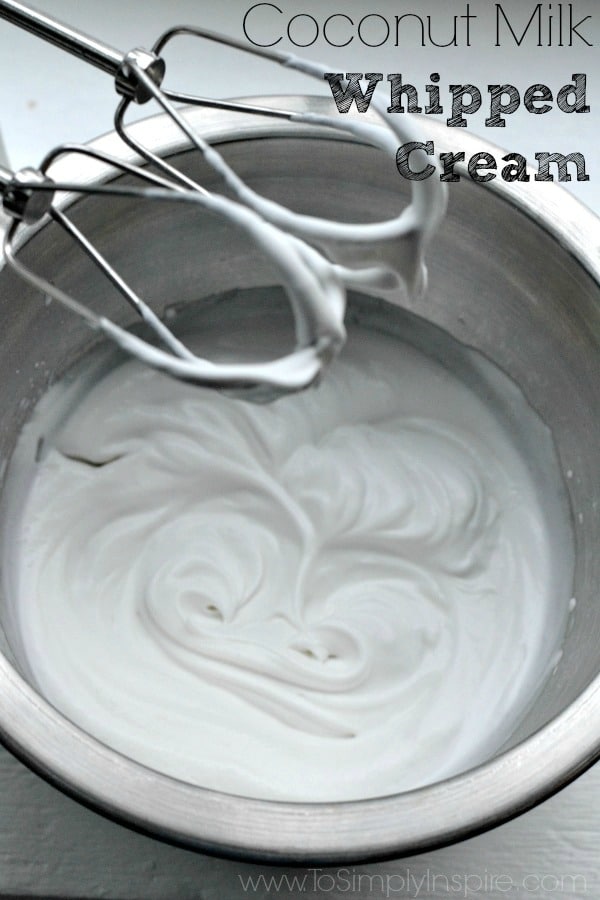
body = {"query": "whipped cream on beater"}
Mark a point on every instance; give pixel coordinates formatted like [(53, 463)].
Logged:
[(316, 259), (344, 594)]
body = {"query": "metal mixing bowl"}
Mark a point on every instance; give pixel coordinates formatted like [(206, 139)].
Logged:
[(515, 273)]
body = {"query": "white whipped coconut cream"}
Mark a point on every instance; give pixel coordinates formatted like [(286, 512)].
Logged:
[(341, 595)]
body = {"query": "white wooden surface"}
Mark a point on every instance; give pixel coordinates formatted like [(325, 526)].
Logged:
[(49, 845)]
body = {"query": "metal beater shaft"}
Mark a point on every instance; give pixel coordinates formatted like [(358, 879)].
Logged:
[(88, 49)]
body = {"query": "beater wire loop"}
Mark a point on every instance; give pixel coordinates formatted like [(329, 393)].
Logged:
[(300, 268), (315, 259), (382, 255)]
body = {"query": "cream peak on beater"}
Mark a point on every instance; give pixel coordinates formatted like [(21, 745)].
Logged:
[(315, 259)]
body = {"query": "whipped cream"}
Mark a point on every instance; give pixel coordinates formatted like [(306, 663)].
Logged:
[(347, 593)]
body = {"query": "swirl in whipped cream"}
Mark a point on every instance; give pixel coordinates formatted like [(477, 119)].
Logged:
[(340, 595)]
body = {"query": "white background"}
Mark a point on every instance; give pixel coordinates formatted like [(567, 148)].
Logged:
[(51, 846)]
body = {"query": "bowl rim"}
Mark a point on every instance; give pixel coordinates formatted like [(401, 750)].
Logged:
[(323, 833)]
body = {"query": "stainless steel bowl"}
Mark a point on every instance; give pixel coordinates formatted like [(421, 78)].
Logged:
[(515, 273)]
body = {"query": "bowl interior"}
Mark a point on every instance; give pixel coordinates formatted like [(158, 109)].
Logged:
[(499, 282)]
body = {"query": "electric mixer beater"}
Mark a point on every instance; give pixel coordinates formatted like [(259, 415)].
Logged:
[(316, 260)]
